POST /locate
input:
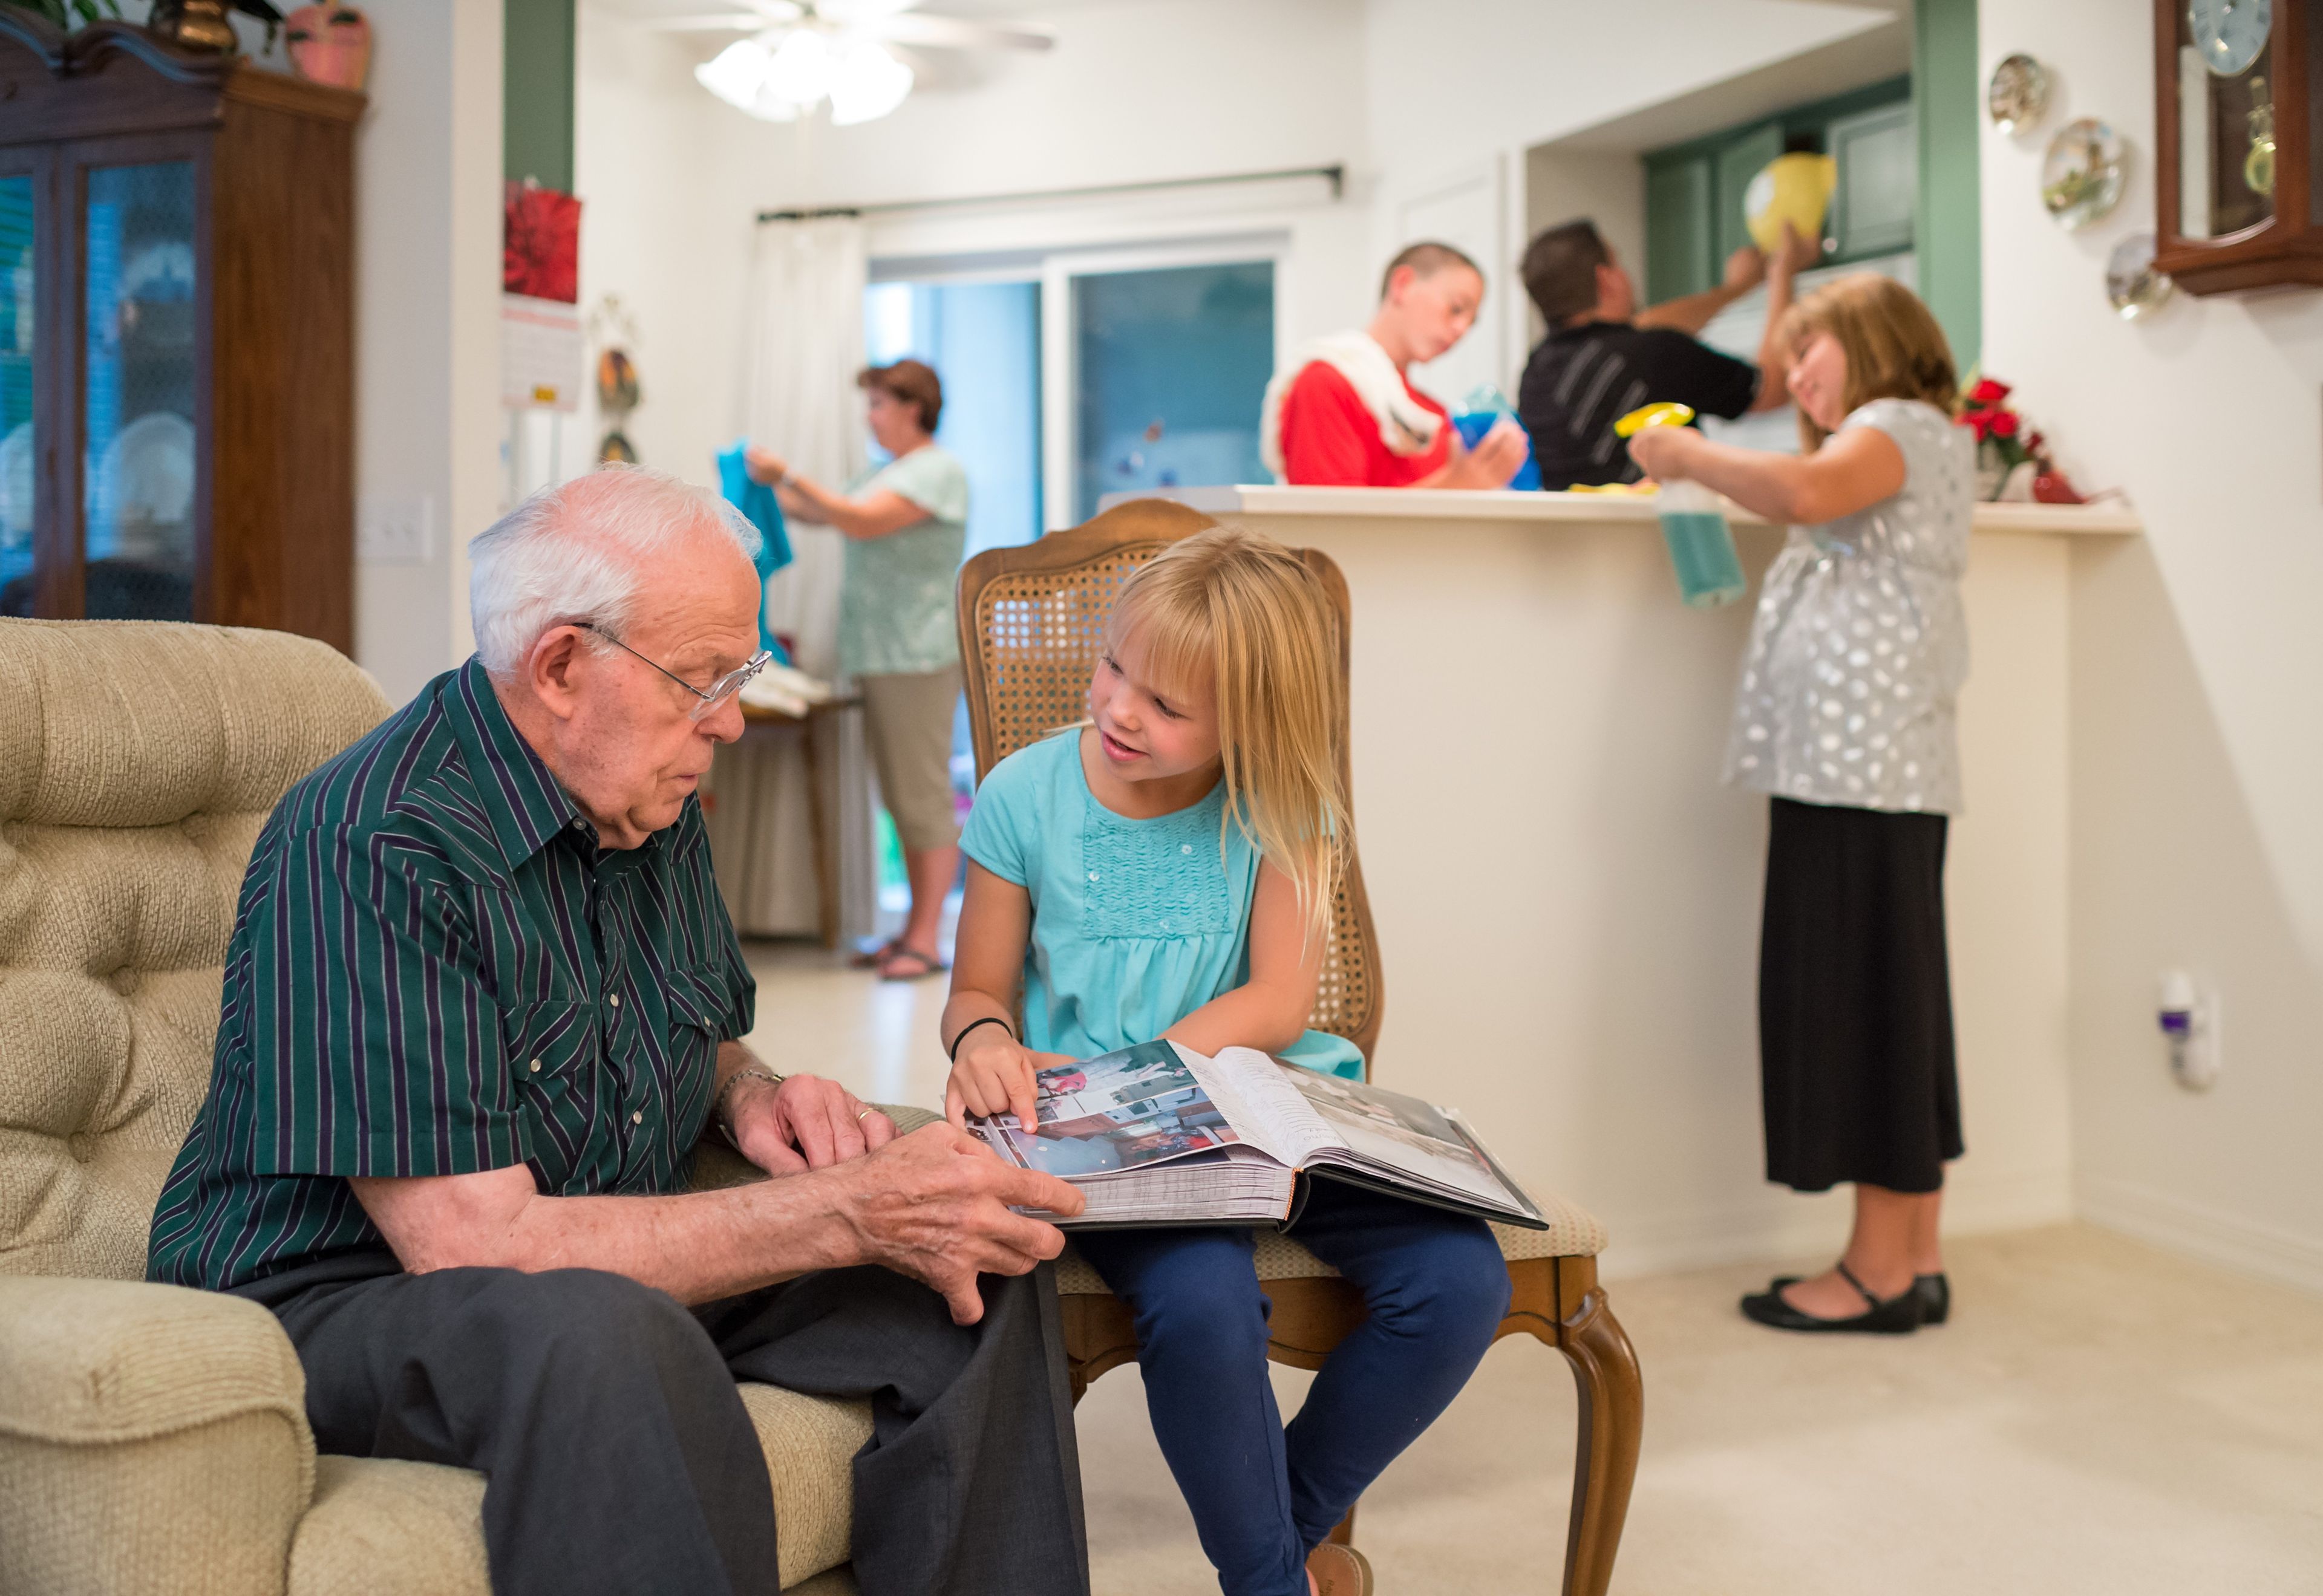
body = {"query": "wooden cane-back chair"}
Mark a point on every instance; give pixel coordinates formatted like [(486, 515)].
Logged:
[(1032, 625)]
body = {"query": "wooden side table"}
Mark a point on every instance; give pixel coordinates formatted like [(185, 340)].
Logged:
[(826, 879)]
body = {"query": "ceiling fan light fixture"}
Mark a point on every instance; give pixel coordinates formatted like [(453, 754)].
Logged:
[(866, 82), (738, 75), (799, 70)]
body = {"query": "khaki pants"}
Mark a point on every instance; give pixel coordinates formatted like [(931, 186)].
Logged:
[(908, 719)]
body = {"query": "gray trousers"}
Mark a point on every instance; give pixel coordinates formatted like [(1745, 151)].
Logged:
[(617, 1453)]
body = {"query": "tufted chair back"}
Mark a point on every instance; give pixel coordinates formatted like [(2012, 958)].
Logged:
[(138, 762)]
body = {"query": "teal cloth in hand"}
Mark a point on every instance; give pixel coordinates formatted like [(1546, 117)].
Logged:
[(762, 509)]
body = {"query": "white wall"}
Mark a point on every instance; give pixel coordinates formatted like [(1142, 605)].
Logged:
[(2198, 670), (427, 243), (665, 225)]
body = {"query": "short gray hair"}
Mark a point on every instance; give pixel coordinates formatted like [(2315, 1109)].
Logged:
[(575, 551)]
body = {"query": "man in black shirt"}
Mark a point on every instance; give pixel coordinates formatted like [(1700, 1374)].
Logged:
[(1604, 357)]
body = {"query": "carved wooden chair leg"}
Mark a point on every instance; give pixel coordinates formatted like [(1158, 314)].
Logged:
[(1611, 1424)]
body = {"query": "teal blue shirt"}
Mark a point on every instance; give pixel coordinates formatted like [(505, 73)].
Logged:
[(1135, 923)]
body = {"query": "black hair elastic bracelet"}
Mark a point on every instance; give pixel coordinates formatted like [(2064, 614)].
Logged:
[(952, 1052)]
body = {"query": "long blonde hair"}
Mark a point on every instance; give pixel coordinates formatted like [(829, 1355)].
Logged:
[(1245, 614), (1894, 346)]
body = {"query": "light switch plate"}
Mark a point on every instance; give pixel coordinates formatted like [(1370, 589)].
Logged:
[(395, 531)]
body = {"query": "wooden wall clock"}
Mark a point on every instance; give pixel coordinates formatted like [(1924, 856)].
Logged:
[(2238, 114)]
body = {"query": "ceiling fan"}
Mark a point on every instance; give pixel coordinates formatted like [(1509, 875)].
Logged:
[(802, 52)]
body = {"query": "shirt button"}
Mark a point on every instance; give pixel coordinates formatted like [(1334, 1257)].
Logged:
[(638, 1118), (615, 1000), (535, 1067), (1185, 848), (1092, 876)]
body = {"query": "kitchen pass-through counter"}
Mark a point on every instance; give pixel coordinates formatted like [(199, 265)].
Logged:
[(1568, 900)]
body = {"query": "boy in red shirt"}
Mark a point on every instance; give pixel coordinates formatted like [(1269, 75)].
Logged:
[(1344, 413)]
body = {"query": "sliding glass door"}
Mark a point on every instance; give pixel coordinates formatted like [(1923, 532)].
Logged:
[(1156, 362)]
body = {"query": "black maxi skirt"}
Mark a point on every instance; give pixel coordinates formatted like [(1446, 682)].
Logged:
[(1855, 1011)]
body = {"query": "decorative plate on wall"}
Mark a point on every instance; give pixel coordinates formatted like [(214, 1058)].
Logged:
[(2080, 177), (2018, 95), (2134, 288)]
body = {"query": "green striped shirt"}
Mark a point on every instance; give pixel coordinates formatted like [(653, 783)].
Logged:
[(436, 970)]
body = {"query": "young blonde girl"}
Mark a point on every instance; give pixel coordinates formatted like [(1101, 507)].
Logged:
[(1845, 718), (1167, 870)]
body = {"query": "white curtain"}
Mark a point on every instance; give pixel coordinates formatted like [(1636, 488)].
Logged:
[(802, 348)]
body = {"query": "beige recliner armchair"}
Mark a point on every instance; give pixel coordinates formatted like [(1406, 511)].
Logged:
[(153, 1440)]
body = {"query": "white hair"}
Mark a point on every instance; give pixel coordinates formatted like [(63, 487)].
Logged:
[(577, 551)]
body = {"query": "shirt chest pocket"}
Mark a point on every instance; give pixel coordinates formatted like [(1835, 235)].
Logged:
[(697, 1010), (552, 1041), (1159, 880)]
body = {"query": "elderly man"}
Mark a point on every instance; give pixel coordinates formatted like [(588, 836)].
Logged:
[(481, 998)]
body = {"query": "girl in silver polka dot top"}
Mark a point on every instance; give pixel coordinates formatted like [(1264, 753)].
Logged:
[(1845, 719)]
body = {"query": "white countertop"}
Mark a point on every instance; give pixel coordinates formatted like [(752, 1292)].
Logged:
[(1448, 504)]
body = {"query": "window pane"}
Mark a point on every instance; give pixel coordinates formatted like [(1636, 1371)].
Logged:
[(16, 454), (1170, 367), (138, 475)]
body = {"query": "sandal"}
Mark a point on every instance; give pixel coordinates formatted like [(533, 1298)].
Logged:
[(893, 967), (1899, 1315), (871, 958), (1339, 1570)]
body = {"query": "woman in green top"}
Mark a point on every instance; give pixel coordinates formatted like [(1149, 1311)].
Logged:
[(907, 526)]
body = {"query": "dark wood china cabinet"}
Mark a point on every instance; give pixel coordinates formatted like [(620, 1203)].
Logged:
[(177, 335)]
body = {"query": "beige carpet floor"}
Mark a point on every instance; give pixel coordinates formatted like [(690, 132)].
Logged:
[(2099, 1418)]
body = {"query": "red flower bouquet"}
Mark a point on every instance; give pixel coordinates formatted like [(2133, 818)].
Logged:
[(2004, 442)]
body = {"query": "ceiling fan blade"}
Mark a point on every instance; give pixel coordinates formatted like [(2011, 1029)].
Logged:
[(953, 32), (721, 22), (761, 14)]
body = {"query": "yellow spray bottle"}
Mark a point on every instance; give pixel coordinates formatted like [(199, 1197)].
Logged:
[(1694, 523)]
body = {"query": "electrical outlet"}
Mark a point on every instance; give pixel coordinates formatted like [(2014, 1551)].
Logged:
[(396, 531)]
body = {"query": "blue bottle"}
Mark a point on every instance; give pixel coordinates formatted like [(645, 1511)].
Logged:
[(1484, 405), (1694, 522)]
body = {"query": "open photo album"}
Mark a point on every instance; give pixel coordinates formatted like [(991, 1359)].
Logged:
[(1160, 1135)]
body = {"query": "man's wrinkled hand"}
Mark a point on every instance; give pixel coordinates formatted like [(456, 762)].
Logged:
[(807, 1122), (936, 1206)]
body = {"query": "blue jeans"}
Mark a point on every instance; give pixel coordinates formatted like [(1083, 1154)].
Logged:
[(1264, 1495)]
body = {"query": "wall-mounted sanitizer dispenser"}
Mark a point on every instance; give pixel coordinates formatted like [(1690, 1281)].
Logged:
[(2189, 1022)]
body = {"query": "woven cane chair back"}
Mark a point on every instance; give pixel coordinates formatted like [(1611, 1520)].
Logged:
[(1032, 626)]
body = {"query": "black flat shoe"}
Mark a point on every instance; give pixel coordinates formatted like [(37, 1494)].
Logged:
[(1899, 1315), (1935, 1295)]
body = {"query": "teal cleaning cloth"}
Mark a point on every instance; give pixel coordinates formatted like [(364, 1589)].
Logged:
[(760, 507)]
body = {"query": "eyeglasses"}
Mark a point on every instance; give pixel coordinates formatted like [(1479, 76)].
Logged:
[(712, 697)]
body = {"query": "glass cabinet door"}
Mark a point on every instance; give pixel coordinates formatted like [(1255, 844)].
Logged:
[(140, 355), (19, 371)]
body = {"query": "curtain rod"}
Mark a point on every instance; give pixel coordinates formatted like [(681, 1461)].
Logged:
[(1336, 174)]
